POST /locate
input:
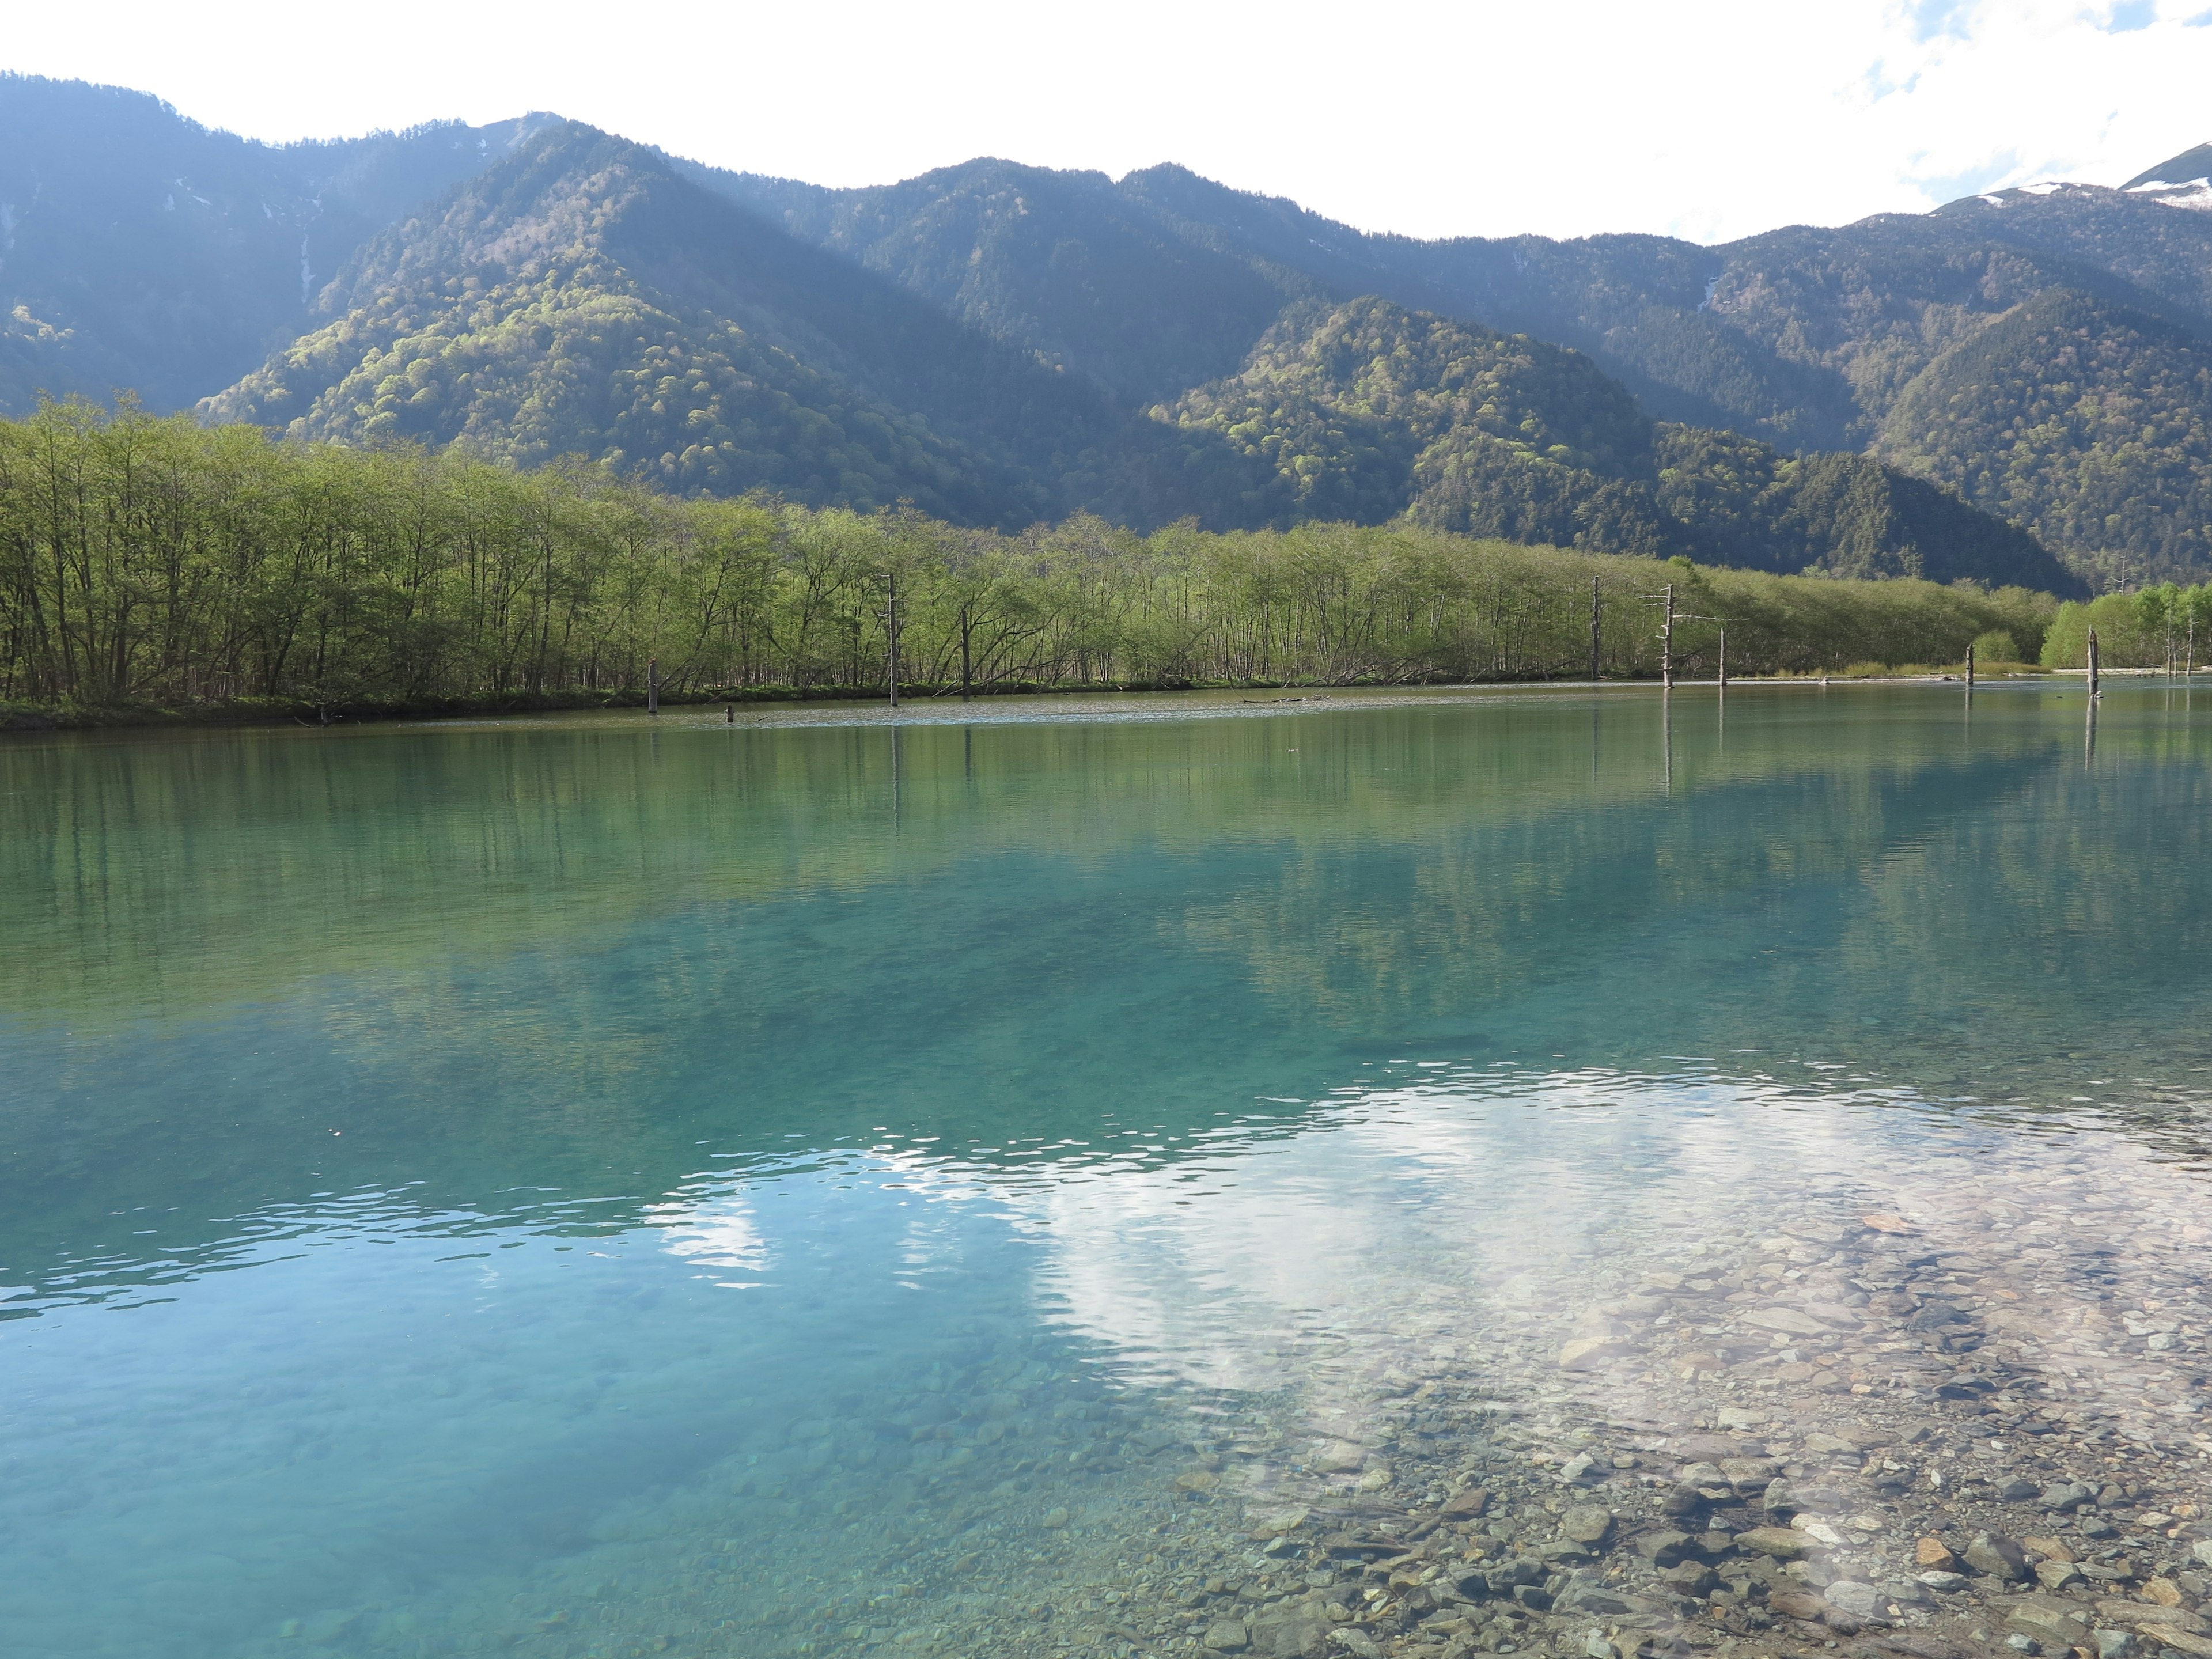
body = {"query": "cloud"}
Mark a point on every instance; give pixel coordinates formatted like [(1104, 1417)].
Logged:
[(1429, 117), (1931, 18)]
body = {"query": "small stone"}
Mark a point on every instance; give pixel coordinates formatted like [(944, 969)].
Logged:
[(1664, 1549), (1198, 1480), (1932, 1552), (1291, 1631), (2204, 1551), (1465, 1504), (1576, 1467), (1357, 1643), (1861, 1601), (1595, 1646), (1749, 1474), (1376, 1479), (1226, 1636), (2017, 1490), (1585, 1353), (2057, 1574), (2066, 1497), (1828, 1444), (1999, 1557), (1690, 1578), (1783, 1543), (1796, 1604), (2115, 1643), (1053, 1520), (2050, 1549), (2021, 1643), (1585, 1596), (1586, 1523), (1945, 1581), (2045, 1619), (1787, 1320), (2162, 1593)]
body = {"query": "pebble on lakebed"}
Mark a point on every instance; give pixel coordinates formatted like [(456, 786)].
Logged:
[(1971, 1437)]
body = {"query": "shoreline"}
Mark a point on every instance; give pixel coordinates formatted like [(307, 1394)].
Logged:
[(23, 719)]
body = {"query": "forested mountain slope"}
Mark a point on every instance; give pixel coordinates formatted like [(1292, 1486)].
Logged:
[(1062, 265), (139, 250), (999, 343), (1806, 338), (1364, 411), (2089, 422), (580, 298)]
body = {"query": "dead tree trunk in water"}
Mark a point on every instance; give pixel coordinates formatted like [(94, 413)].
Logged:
[(1593, 633), (891, 629)]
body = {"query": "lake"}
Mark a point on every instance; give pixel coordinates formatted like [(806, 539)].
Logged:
[(1132, 1176)]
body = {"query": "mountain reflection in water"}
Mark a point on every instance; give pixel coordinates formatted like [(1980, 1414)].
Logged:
[(565, 1185)]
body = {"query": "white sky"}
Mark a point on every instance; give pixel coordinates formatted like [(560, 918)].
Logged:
[(1565, 116)]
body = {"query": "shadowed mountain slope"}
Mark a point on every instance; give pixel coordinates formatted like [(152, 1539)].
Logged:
[(579, 298), (1365, 411), (141, 250), (1804, 338)]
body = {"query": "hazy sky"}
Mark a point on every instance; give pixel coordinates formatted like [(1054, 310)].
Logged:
[(1708, 120)]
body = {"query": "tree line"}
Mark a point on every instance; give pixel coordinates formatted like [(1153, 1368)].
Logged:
[(156, 561), (2165, 625)]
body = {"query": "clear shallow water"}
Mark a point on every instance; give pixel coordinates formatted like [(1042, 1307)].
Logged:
[(814, 1185)]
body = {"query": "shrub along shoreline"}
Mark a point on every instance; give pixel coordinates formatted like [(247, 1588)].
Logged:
[(153, 570)]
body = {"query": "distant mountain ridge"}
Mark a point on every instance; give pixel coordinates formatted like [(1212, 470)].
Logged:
[(998, 343), (141, 250), (1805, 338)]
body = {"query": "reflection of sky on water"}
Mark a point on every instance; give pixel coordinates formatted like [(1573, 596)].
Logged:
[(1485, 1187), (685, 1087)]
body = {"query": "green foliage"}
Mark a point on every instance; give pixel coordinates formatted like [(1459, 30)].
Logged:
[(1996, 647), (577, 298), (981, 341), (1365, 409), (2162, 627), (2088, 423), (152, 560)]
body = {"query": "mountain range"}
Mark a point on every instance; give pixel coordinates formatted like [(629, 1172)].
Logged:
[(2016, 387)]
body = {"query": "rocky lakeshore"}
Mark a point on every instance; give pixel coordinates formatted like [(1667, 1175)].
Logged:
[(1861, 1431), (1950, 1403)]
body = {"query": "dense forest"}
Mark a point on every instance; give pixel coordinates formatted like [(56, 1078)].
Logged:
[(155, 560), (1365, 411), (1004, 345), (581, 297)]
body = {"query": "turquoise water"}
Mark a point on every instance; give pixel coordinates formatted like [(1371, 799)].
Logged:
[(583, 1187)]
